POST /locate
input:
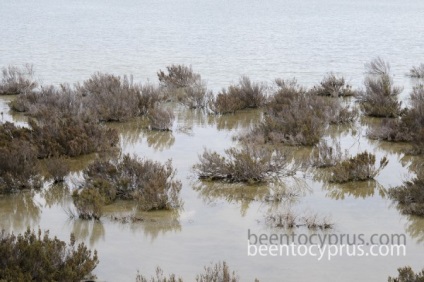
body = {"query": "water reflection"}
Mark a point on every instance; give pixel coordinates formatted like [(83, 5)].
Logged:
[(91, 230), (159, 140), (240, 120), (57, 194), (19, 211), (272, 195), (357, 189), (415, 228)]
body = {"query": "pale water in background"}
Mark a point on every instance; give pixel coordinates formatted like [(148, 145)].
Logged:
[(67, 41)]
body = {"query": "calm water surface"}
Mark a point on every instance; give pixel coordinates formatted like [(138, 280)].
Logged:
[(67, 41)]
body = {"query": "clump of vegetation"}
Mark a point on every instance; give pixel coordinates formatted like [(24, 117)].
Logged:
[(359, 168), (406, 274), (71, 136), (89, 202), (333, 86), (409, 127), (290, 220), (410, 196), (36, 257), (293, 116), (417, 72), (218, 272), (16, 80), (161, 119), (113, 98), (160, 277), (151, 184), (245, 95), (323, 155), (250, 164), (62, 100), (18, 165), (57, 168), (179, 76), (341, 114), (184, 86), (380, 96)]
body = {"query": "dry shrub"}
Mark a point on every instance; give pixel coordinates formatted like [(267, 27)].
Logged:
[(103, 97), (51, 100), (245, 95), (178, 76), (18, 165), (218, 272), (341, 114), (324, 155), (291, 220), (417, 72), (161, 119), (150, 97), (333, 86), (16, 80), (160, 277), (57, 168), (380, 96), (36, 257), (89, 203), (150, 184), (249, 164), (359, 168), (71, 136), (293, 116), (408, 127), (406, 274), (112, 97), (184, 86), (410, 196)]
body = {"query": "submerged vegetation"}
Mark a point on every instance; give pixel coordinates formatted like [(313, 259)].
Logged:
[(417, 72), (32, 256), (218, 272), (410, 196), (380, 98), (250, 164), (359, 168), (68, 121), (406, 274), (17, 80), (150, 184), (245, 95)]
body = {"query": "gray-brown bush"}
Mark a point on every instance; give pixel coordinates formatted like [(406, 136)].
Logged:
[(32, 256), (16, 80), (250, 164), (417, 72), (245, 95), (151, 184), (293, 116), (406, 274), (113, 98), (218, 272), (380, 96), (183, 85), (359, 168), (18, 165), (333, 86), (410, 196), (409, 127), (71, 136), (161, 119)]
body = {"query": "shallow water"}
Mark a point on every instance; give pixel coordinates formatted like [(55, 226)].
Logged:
[(222, 40)]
